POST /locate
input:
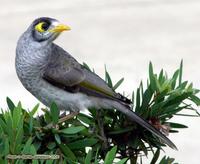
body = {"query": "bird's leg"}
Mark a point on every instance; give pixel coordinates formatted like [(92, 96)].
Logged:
[(101, 128), (67, 117), (61, 120)]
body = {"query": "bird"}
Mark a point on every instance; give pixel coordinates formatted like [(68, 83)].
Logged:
[(51, 74)]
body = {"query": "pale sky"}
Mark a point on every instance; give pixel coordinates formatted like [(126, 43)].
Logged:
[(123, 34)]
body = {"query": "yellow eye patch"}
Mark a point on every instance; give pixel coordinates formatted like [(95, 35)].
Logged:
[(39, 27)]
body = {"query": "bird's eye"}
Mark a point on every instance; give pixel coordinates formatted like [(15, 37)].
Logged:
[(42, 27)]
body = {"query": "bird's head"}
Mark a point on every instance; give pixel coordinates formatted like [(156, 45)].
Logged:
[(46, 29)]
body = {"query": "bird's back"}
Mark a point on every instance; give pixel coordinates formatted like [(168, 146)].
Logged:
[(62, 61)]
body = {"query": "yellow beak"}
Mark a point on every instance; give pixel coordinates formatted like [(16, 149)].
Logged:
[(60, 28)]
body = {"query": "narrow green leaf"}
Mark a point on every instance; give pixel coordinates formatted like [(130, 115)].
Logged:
[(147, 96), (152, 78), (51, 145), (38, 135), (172, 110), (161, 77), (6, 147), (30, 124), (143, 147), (33, 150), (176, 125), (185, 115), (108, 79), (78, 144), (174, 78), (96, 161), (159, 98), (141, 89), (118, 83), (26, 149), (54, 113), (72, 130), (150, 70), (67, 152), (84, 118), (195, 99), (35, 162), (177, 99), (37, 145), (57, 138), (3, 126), (19, 105), (11, 105), (167, 160), (181, 72), (19, 137), (86, 66), (190, 88), (183, 85), (133, 97), (47, 116), (155, 157), (158, 86), (122, 161), (88, 157), (157, 108), (17, 116), (137, 101), (110, 156), (197, 113), (34, 110), (9, 124)]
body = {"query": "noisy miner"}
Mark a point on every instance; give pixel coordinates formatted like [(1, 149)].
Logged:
[(51, 74)]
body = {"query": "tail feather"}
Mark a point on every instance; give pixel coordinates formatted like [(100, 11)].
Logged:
[(134, 117)]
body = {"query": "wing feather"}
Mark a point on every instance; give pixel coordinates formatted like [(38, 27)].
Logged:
[(62, 69)]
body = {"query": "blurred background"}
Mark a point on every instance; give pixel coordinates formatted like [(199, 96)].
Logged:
[(123, 34)]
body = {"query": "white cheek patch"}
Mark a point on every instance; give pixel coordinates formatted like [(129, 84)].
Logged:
[(55, 23)]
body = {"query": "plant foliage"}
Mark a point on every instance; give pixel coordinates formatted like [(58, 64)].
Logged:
[(103, 136)]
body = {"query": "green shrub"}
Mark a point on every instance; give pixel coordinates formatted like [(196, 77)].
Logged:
[(104, 136)]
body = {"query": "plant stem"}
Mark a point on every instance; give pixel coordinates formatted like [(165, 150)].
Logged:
[(101, 129)]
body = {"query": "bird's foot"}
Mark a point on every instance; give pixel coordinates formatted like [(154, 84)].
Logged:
[(60, 121), (67, 117)]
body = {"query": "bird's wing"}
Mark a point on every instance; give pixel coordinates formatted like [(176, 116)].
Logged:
[(64, 71), (63, 74)]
